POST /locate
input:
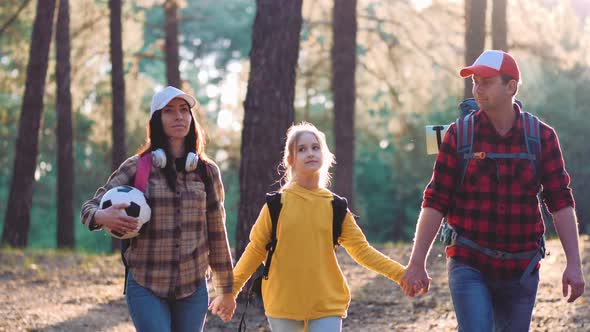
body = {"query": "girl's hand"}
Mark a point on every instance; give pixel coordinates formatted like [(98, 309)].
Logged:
[(223, 306), (116, 219)]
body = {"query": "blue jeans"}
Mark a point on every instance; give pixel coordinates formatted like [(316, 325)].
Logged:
[(324, 324), (152, 313), (491, 305)]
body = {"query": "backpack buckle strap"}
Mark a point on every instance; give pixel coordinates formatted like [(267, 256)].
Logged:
[(462, 241), (475, 155), (520, 155), (479, 155)]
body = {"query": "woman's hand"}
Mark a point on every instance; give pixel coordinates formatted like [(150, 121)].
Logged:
[(116, 219), (223, 306)]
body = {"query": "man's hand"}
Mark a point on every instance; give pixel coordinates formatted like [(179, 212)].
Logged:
[(415, 281), (573, 282), (566, 225)]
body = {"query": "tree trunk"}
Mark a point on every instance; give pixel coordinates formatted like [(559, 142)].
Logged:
[(268, 109), (65, 159), (118, 88), (343, 89), (18, 213), (499, 26), (475, 35), (172, 58)]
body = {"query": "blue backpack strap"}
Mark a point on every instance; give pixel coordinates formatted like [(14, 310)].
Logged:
[(532, 137), (273, 201), (465, 127), (339, 209)]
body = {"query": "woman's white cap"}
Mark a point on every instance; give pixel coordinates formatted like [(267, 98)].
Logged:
[(162, 98)]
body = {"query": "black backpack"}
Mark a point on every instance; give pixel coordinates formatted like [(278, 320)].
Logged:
[(273, 201)]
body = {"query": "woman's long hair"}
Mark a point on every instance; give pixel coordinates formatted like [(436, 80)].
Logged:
[(194, 141)]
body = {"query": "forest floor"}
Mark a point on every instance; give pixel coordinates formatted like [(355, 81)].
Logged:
[(61, 291)]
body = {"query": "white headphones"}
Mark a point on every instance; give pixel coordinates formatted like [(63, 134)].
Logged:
[(159, 160)]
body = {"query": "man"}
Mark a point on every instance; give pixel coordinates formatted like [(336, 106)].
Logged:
[(492, 209)]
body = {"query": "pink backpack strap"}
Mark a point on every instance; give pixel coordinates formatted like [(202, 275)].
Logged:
[(144, 166)]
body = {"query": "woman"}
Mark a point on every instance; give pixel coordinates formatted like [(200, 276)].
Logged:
[(168, 261)]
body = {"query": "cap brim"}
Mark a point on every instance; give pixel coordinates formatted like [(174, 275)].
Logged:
[(483, 71), (188, 98)]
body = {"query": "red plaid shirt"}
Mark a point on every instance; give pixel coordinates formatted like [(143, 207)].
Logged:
[(497, 206)]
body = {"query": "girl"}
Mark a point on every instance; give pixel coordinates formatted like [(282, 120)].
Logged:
[(167, 262), (305, 285)]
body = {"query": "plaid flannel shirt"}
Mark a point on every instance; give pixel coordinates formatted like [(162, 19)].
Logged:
[(186, 233), (497, 206)]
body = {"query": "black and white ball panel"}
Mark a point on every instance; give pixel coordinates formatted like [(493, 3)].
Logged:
[(138, 207)]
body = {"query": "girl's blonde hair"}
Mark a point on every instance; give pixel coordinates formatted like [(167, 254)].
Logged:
[(293, 134)]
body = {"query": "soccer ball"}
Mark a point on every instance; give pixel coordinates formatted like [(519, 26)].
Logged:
[(138, 207)]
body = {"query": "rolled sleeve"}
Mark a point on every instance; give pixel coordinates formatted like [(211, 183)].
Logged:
[(557, 193)]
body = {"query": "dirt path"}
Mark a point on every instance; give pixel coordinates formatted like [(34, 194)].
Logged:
[(73, 292)]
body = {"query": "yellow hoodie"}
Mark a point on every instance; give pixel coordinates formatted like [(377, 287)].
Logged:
[(305, 281)]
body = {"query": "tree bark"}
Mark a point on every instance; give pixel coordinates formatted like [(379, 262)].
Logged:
[(268, 108), (118, 89), (65, 159), (344, 93), (475, 36), (18, 213), (499, 26), (172, 57)]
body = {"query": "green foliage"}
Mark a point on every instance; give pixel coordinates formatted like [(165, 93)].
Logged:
[(217, 29)]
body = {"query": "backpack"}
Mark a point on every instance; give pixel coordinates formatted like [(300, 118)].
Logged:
[(465, 132), (273, 202), (142, 174), (465, 127)]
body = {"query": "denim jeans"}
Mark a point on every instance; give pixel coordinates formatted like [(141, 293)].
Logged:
[(324, 324), (491, 305), (152, 313)]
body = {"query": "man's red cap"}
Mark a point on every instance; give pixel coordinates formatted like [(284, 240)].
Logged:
[(491, 63)]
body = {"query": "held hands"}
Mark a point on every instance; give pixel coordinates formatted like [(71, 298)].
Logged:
[(415, 281), (115, 219), (223, 306), (573, 277)]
